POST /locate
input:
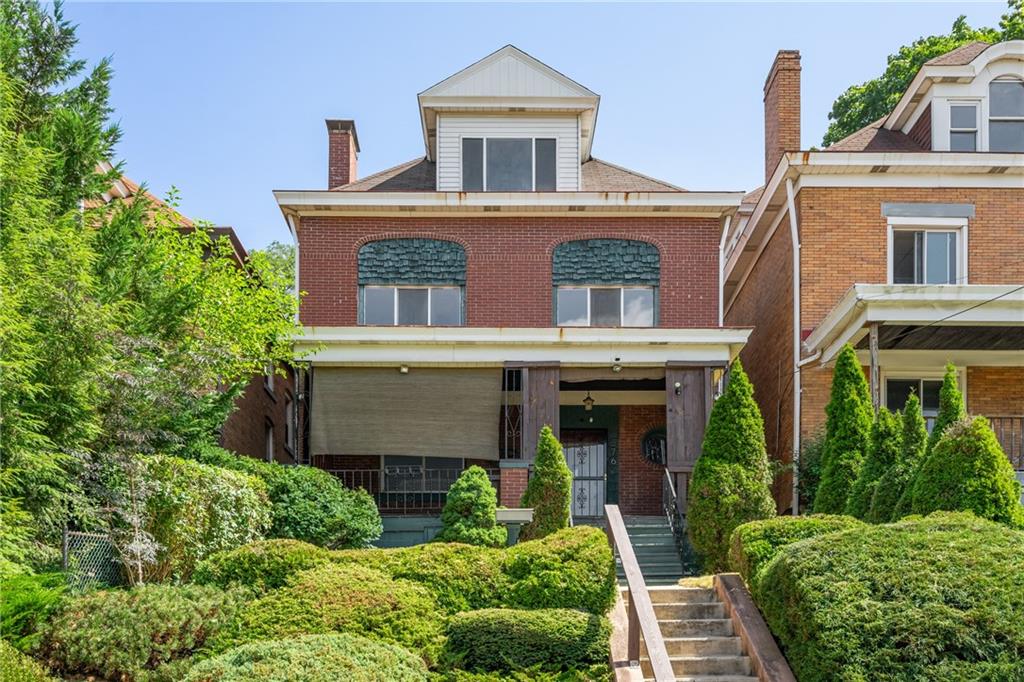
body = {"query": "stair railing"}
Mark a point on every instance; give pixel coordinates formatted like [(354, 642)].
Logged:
[(670, 504), (642, 619)]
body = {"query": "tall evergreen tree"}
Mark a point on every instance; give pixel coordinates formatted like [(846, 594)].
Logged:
[(549, 491), (731, 482), (886, 448), (847, 428), (895, 480)]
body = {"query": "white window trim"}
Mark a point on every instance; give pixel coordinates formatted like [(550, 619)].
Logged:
[(394, 302), (990, 117), (958, 225), (622, 303), (511, 136), (977, 122), (924, 375)]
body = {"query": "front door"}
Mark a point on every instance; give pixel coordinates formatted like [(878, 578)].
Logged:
[(586, 455)]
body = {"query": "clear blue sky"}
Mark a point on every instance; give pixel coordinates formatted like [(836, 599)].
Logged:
[(227, 101)]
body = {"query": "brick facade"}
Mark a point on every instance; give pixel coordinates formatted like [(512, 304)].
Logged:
[(342, 149), (639, 480), (921, 132), (512, 486), (244, 431), (995, 391), (781, 109), (509, 261)]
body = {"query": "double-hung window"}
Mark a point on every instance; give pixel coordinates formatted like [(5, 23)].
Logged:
[(897, 390), (600, 306), (412, 305), (963, 127), (508, 164), (1006, 116), (927, 256)]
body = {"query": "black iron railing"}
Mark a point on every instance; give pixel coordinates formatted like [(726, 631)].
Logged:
[(405, 489)]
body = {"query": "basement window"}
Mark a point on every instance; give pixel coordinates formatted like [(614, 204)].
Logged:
[(413, 306), (605, 306), (508, 164)]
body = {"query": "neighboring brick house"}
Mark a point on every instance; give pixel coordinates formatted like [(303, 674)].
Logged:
[(909, 237), (264, 422), (505, 280)]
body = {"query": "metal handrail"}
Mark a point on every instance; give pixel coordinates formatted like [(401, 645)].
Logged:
[(642, 619)]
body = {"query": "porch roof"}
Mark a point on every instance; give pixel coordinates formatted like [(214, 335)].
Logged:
[(494, 346), (938, 317)]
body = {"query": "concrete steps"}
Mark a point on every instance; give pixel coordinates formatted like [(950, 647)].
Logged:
[(699, 637)]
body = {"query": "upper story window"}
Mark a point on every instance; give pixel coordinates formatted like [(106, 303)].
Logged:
[(926, 256), (605, 306), (412, 281), (1006, 116), (898, 390), (963, 127), (508, 164), (606, 283)]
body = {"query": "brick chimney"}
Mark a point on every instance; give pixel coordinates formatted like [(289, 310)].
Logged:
[(781, 109), (342, 151)]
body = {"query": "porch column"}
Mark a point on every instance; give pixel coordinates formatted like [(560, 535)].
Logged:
[(688, 401), (540, 403), (876, 389)]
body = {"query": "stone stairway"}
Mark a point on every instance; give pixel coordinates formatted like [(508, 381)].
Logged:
[(655, 550), (698, 636)]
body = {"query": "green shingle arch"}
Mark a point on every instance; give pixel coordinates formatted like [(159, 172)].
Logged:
[(606, 261), (412, 260)]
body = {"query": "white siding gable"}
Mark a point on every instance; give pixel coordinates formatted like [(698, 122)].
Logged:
[(508, 72), (451, 128)]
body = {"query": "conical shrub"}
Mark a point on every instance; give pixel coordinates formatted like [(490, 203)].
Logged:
[(549, 491), (469, 513), (895, 480), (847, 428), (886, 448)]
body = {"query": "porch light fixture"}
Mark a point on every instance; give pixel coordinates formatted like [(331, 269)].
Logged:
[(403, 369), (616, 368), (588, 403), (678, 386)]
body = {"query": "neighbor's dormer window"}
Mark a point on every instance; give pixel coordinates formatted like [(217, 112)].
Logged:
[(1006, 116), (963, 127), (508, 164)]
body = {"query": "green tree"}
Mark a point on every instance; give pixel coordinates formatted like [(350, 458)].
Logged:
[(895, 480), (731, 482), (886, 448), (277, 265), (549, 491), (469, 514), (863, 104), (847, 427)]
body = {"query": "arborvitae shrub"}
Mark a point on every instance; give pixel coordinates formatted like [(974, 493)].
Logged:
[(885, 449), (812, 450), (968, 471), (731, 480), (549, 490), (896, 478), (847, 427), (469, 514)]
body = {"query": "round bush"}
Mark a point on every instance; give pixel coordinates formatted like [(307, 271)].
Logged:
[(121, 634), (903, 601), (349, 599), (968, 471), (17, 667), (312, 658), (469, 514), (756, 543), (509, 639), (571, 569), (261, 566)]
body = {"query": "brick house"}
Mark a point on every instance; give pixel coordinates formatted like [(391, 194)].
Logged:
[(503, 280), (906, 239)]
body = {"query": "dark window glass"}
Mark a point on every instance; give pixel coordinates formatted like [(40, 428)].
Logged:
[(898, 390), (571, 307), (1006, 98), (446, 307), (605, 306), (963, 142), (378, 305), (1006, 136), (412, 306), (509, 165), (930, 396), (472, 164), (940, 267), (905, 257), (963, 116), (545, 165)]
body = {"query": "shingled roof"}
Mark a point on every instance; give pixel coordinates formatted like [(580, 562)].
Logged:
[(875, 138), (419, 175), (962, 55)]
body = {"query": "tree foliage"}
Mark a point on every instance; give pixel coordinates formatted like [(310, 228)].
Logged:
[(470, 511), (894, 481), (861, 105), (549, 490), (847, 428), (886, 448)]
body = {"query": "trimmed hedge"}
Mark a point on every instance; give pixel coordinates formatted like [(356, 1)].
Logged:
[(313, 658), (599, 672), (510, 639), (755, 544), (17, 667), (124, 634), (262, 566), (351, 599), (931, 598), (469, 513)]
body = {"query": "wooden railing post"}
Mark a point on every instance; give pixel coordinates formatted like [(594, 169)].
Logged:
[(633, 636)]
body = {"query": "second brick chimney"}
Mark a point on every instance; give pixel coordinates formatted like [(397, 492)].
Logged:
[(781, 109), (342, 152)]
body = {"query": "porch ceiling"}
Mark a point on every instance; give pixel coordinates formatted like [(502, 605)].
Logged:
[(937, 337)]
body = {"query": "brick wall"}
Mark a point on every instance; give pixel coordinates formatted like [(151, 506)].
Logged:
[(639, 480), (244, 431), (995, 391), (781, 109), (921, 133), (341, 153), (512, 486), (509, 264)]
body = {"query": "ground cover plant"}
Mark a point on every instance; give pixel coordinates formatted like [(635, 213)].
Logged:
[(930, 598), (27, 604), (260, 566)]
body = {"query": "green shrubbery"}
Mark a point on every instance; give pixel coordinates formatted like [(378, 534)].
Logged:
[(896, 478), (27, 603), (968, 471), (812, 449), (195, 510), (847, 428), (17, 667), (124, 634), (469, 514), (313, 658), (509, 639), (884, 450), (261, 566), (309, 504), (924, 599), (755, 544), (732, 479), (549, 490), (351, 599)]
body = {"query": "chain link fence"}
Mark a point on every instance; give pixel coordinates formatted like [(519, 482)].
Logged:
[(90, 561)]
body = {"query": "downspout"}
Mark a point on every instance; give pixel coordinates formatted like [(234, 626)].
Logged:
[(721, 270), (794, 234), (294, 231)]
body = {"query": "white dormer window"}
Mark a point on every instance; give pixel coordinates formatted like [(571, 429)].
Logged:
[(508, 164), (1006, 116), (963, 127)]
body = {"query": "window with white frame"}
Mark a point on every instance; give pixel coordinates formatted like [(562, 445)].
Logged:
[(1006, 116), (926, 255), (509, 164), (899, 389), (963, 126), (599, 306), (289, 424), (412, 305)]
